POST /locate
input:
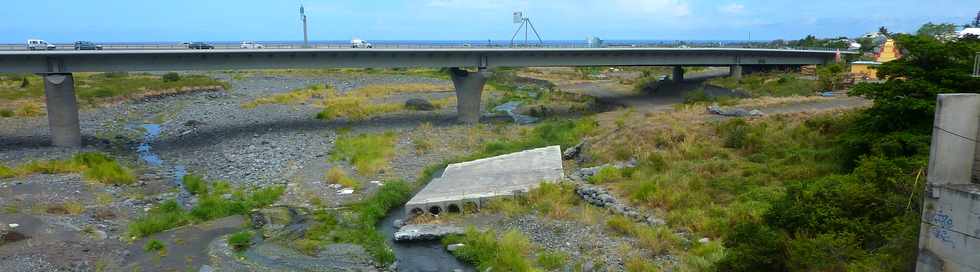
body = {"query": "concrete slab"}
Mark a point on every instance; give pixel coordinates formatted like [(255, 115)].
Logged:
[(470, 184)]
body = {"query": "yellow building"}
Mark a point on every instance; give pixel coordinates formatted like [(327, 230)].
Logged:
[(865, 70), (889, 52)]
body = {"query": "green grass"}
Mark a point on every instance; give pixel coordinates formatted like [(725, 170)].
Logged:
[(483, 250), (212, 204), (93, 88), (241, 240), (769, 84), (357, 225), (94, 166), (154, 245), (195, 185), (552, 260), (293, 97), (369, 153)]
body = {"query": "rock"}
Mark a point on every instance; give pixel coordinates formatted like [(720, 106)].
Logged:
[(734, 112), (454, 247), (345, 191), (425, 232), (573, 152), (13, 225), (193, 123), (419, 104), (704, 240), (280, 221), (398, 223), (206, 268)]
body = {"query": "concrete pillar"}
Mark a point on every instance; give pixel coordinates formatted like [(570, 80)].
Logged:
[(59, 89), (469, 89), (948, 236), (678, 74), (735, 71)]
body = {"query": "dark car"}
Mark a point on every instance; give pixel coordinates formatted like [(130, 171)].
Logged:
[(86, 45), (200, 45)]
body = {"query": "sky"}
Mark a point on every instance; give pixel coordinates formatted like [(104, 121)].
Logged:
[(278, 20)]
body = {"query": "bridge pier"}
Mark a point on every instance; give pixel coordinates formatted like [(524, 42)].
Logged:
[(469, 90), (59, 91), (678, 74), (735, 71)]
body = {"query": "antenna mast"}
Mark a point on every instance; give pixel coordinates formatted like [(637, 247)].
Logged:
[(527, 26), (302, 17)]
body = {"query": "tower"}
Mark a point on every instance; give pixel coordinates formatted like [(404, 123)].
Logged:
[(302, 17)]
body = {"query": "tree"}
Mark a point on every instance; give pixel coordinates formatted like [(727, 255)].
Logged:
[(939, 31), (884, 31), (976, 21)]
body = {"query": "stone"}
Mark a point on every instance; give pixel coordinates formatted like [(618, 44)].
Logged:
[(419, 104), (206, 268), (704, 240), (345, 191), (572, 152), (398, 223), (426, 232), (454, 247)]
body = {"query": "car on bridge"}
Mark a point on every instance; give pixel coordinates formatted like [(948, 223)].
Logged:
[(251, 45), (35, 44), (359, 43), (200, 45), (87, 45)]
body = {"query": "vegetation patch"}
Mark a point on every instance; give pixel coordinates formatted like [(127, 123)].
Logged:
[(98, 88), (293, 97), (338, 176), (769, 84), (94, 166), (240, 241), (483, 250), (369, 153), (219, 200)]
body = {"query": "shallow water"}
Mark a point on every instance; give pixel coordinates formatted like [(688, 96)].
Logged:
[(419, 256), (145, 152)]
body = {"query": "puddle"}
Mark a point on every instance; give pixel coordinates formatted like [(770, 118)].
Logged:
[(419, 256)]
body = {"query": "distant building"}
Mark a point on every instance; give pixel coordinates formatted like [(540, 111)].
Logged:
[(868, 70), (968, 31)]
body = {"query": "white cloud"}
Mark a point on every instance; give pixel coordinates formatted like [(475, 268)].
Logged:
[(675, 8), (733, 8)]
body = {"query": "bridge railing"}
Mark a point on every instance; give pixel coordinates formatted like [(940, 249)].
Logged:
[(387, 45)]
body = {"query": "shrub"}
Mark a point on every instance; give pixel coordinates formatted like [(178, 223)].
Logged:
[(196, 185), (646, 85), (337, 176), (171, 77), (166, 216), (154, 245), (29, 110), (621, 224), (6, 113), (241, 240), (110, 173), (24, 83), (7, 172), (369, 153), (115, 74)]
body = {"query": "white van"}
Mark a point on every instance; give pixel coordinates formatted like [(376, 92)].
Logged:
[(358, 43), (35, 44), (252, 45)]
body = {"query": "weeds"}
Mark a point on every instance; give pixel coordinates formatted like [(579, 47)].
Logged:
[(241, 240), (212, 205), (196, 185), (94, 166), (293, 97), (155, 245), (552, 260), (487, 253), (369, 153), (337, 176)]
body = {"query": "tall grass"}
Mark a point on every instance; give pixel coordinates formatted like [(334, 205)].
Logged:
[(296, 96), (369, 153), (337, 176), (770, 84), (93, 88), (486, 252)]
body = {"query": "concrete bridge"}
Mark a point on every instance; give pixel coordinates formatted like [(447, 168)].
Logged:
[(57, 66)]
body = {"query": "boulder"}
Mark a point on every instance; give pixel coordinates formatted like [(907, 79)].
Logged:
[(426, 232), (454, 247), (419, 104)]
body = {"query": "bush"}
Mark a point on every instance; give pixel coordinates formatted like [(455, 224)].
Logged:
[(196, 185), (100, 167), (166, 216), (605, 175), (240, 241), (646, 85), (6, 113), (621, 224), (7, 172), (154, 245), (171, 77)]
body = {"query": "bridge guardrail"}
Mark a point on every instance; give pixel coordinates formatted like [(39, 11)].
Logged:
[(447, 45)]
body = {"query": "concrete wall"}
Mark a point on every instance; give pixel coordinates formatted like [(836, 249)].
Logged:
[(949, 238)]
